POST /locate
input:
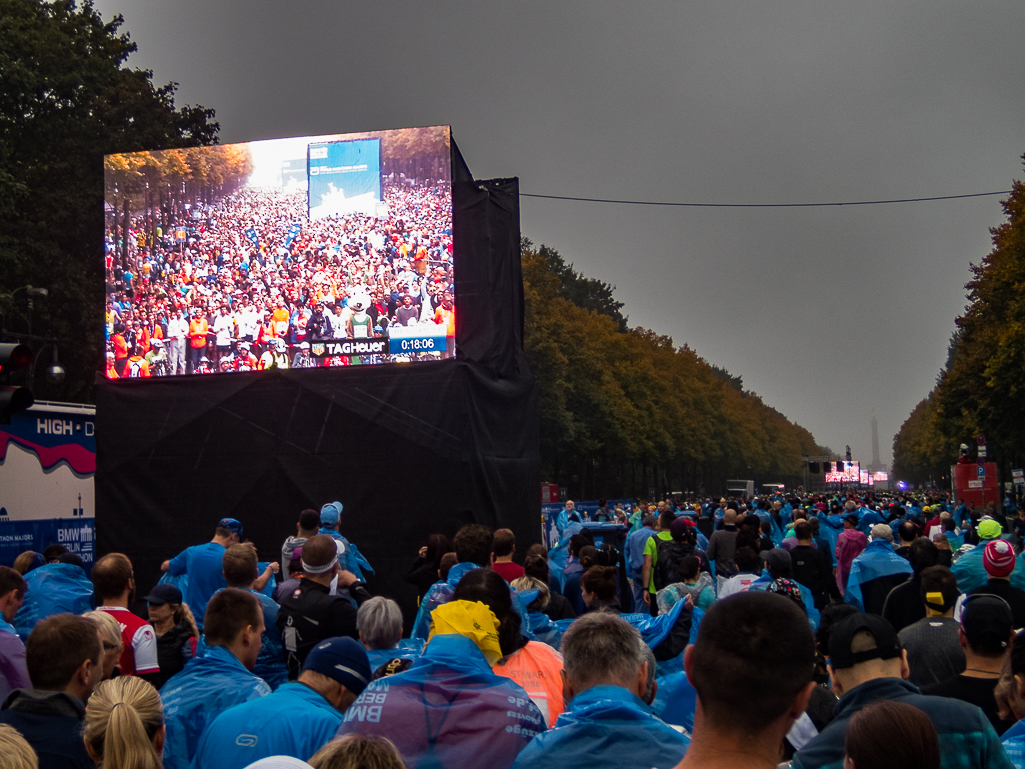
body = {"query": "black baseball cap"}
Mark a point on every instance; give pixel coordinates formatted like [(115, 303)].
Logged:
[(987, 622), (164, 593), (840, 637)]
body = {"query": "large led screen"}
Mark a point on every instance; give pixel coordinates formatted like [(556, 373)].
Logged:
[(287, 253)]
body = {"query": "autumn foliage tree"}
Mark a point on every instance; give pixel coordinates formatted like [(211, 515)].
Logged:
[(982, 388), (623, 410), (67, 99)]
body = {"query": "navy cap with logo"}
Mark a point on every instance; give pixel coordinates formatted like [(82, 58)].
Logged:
[(841, 637), (343, 660), (232, 525), (162, 594)]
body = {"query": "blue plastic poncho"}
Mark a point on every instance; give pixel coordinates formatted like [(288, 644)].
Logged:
[(408, 649), (675, 700), (605, 726), (207, 686), (350, 558), (228, 743), (876, 561), (270, 664), (53, 589), (1013, 741), (448, 711), (971, 573), (437, 594)]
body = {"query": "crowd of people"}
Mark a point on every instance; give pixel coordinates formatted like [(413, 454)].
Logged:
[(822, 632), (256, 283)]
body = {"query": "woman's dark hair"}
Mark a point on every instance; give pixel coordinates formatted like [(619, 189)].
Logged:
[(601, 581), (536, 566), (437, 546), (689, 567), (887, 734), (486, 586), (576, 543), (746, 559), (538, 549), (588, 557)]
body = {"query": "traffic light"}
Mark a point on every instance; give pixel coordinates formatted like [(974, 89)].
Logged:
[(13, 357)]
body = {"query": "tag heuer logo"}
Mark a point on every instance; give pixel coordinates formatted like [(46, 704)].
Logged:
[(317, 348)]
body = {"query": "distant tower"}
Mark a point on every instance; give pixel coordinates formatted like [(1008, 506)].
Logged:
[(877, 463)]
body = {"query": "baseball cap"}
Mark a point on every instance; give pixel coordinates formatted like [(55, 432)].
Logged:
[(778, 558), (164, 593), (678, 528), (887, 642), (788, 588), (330, 513), (279, 762), (987, 622), (998, 558), (343, 660), (989, 528), (232, 525)]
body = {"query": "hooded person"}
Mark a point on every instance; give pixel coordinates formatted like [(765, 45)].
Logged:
[(850, 543), (970, 568), (335, 673), (448, 709), (876, 572)]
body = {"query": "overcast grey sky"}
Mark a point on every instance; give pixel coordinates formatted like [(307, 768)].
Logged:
[(827, 313)]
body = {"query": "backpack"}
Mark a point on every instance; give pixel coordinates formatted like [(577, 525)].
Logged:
[(667, 563), (134, 369)]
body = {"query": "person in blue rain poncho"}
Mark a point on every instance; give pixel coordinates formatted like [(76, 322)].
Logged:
[(448, 710), (240, 568), (969, 568), (474, 547), (1010, 694), (349, 557), (379, 623), (219, 679), (876, 572), (55, 588), (336, 671), (566, 516), (202, 565), (605, 722)]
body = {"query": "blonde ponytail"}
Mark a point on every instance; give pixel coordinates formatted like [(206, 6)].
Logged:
[(122, 718), (183, 614)]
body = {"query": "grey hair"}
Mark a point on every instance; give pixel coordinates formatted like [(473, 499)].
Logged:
[(379, 621), (600, 648), (648, 656)]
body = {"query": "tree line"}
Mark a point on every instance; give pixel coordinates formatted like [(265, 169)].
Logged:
[(66, 100), (981, 389), (624, 410)]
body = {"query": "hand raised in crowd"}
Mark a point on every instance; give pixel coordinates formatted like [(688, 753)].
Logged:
[(346, 578)]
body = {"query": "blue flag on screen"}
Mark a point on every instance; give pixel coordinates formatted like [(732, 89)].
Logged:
[(253, 237), (293, 233), (344, 177)]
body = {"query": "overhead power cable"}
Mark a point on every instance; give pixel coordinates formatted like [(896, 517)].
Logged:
[(762, 205)]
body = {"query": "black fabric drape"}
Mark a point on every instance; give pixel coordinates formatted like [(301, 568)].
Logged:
[(409, 449)]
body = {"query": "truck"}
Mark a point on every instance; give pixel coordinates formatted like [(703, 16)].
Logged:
[(47, 466)]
